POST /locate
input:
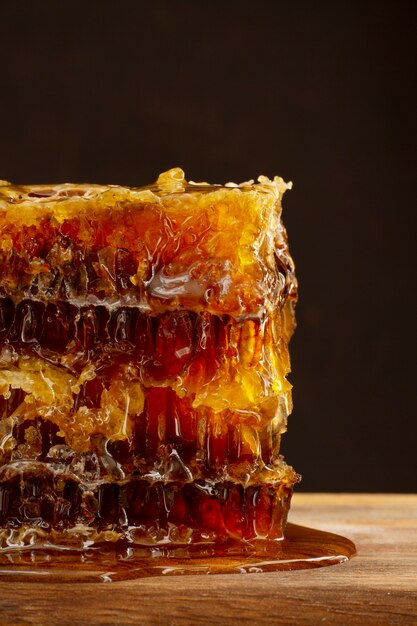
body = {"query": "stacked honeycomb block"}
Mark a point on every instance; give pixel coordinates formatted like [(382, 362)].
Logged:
[(143, 361)]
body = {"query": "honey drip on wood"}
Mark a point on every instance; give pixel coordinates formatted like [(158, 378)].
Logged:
[(302, 548)]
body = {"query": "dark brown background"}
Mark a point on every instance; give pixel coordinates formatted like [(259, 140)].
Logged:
[(322, 93)]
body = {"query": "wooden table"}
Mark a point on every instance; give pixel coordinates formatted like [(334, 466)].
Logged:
[(378, 586)]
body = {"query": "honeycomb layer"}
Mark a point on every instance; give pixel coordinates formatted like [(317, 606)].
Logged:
[(166, 247), (206, 354), (167, 439), (39, 503)]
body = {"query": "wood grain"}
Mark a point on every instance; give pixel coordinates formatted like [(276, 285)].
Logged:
[(377, 587)]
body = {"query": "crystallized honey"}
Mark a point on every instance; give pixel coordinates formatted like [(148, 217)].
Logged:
[(143, 362)]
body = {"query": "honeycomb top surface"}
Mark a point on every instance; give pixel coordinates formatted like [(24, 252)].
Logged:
[(169, 246)]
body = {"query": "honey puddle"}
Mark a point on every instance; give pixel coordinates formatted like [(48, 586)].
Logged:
[(302, 548)]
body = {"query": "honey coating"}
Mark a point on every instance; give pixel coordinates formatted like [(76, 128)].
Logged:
[(143, 361)]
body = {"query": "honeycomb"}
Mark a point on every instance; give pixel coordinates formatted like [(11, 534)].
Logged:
[(143, 362)]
